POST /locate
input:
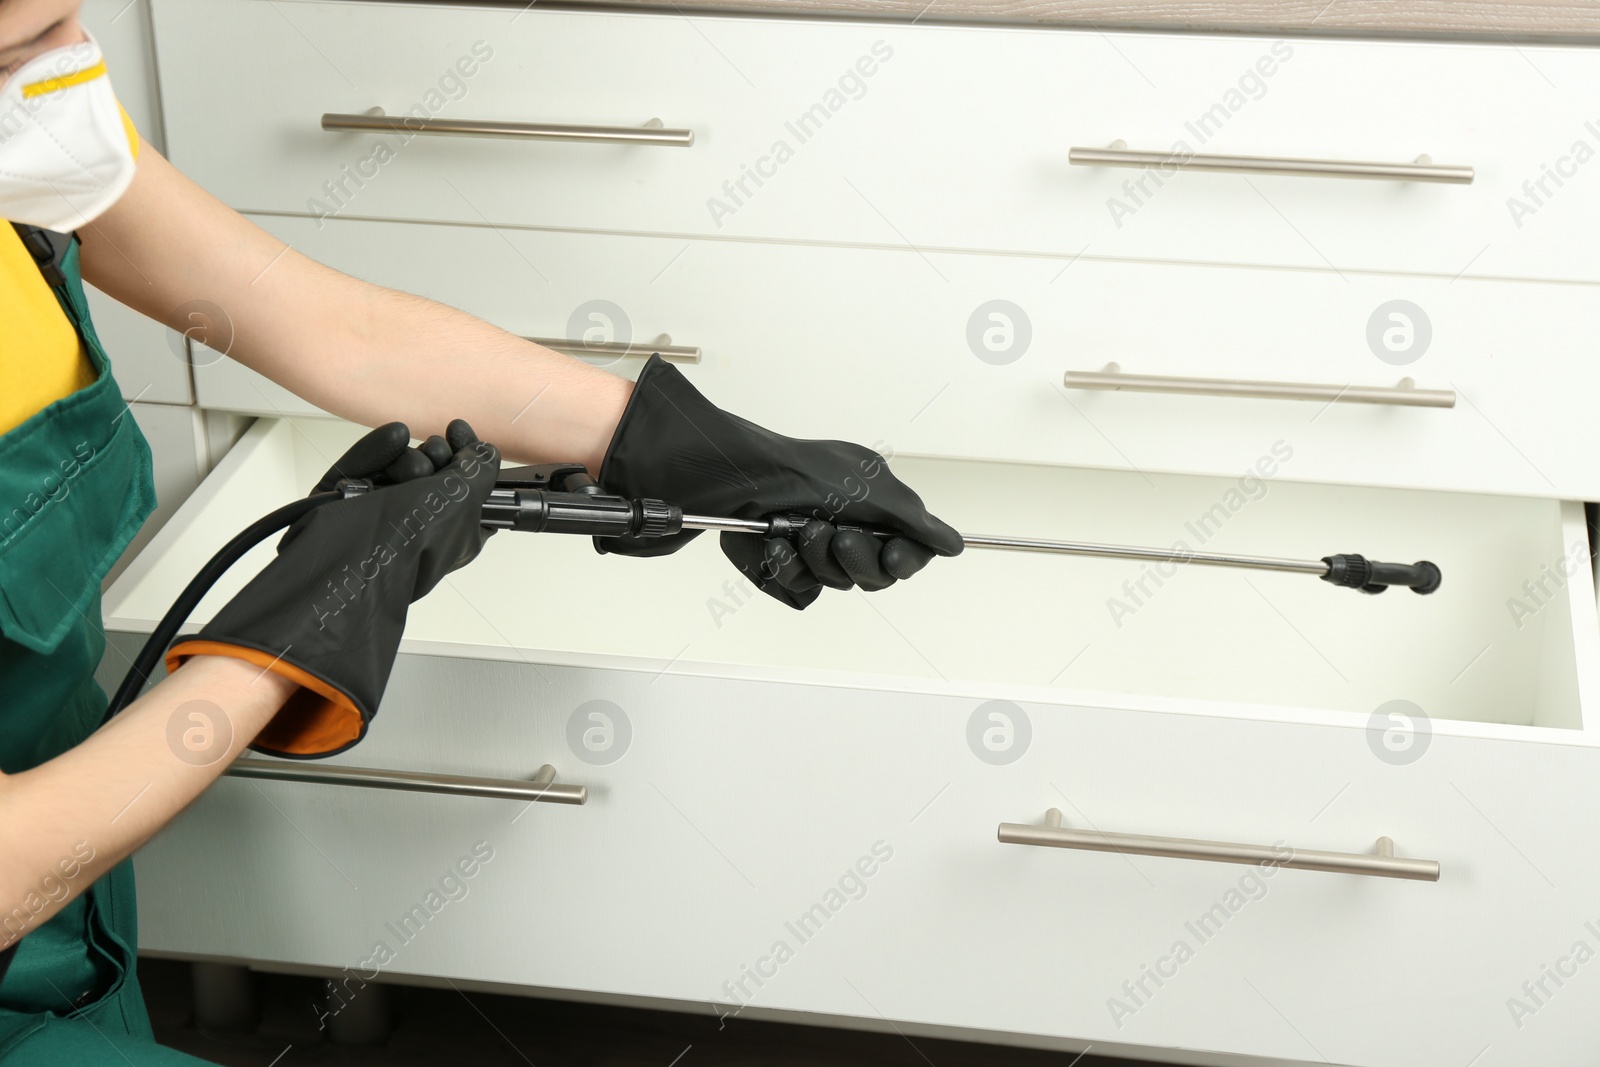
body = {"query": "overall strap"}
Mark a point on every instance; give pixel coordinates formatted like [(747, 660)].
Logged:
[(48, 248)]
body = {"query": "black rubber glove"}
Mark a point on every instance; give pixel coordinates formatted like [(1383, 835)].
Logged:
[(675, 445), (328, 612)]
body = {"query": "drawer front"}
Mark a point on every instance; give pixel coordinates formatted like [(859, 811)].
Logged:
[(853, 132), (964, 355), (783, 847)]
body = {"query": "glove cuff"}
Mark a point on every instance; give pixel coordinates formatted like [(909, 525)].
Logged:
[(654, 367), (656, 387), (319, 720)]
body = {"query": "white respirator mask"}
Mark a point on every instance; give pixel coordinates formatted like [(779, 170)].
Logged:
[(64, 152)]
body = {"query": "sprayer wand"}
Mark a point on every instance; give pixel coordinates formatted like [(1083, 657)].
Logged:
[(563, 498)]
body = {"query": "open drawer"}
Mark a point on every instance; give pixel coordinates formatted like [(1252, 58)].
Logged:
[(832, 781), (1510, 638)]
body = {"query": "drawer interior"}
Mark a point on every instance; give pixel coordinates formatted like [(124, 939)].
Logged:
[(1511, 636)]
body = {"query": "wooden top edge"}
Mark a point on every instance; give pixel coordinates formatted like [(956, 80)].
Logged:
[(1494, 21)]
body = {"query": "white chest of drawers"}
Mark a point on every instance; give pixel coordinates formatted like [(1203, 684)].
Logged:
[(765, 755)]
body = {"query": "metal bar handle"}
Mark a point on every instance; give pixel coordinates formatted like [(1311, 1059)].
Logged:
[(1423, 170), (375, 121), (1402, 395), (543, 788), (1382, 863), (618, 349)]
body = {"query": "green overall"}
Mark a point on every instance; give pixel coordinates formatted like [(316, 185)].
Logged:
[(75, 485)]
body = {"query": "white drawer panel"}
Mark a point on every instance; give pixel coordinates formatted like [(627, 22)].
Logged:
[(739, 805), (908, 154), (889, 344)]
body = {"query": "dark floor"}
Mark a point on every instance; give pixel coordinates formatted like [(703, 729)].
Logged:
[(433, 1026)]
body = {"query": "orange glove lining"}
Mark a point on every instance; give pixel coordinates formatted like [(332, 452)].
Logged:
[(318, 720)]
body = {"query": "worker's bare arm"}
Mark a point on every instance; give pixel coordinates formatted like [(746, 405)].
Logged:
[(359, 350), (66, 822)]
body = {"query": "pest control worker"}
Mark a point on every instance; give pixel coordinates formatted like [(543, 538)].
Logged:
[(82, 197)]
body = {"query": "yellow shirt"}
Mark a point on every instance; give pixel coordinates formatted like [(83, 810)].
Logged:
[(41, 359)]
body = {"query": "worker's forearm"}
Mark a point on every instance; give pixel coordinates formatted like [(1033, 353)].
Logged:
[(373, 355), (407, 358), (66, 822)]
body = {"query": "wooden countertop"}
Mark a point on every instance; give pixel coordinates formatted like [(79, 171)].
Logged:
[(1543, 21)]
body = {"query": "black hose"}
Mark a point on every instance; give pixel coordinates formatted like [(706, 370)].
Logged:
[(150, 655)]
